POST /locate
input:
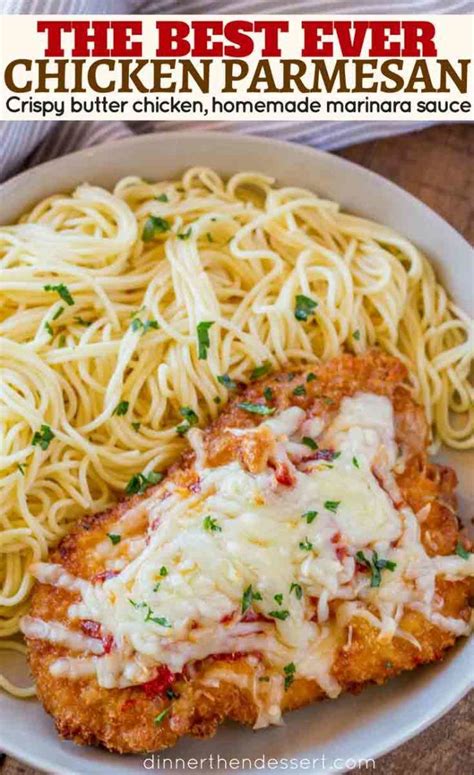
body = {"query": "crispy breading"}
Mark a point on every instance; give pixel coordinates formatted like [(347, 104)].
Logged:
[(123, 719)]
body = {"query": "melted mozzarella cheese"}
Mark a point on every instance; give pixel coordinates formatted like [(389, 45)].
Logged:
[(54, 632), (284, 551), (287, 422), (364, 426)]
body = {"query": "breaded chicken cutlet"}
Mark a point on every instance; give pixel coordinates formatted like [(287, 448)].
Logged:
[(302, 547)]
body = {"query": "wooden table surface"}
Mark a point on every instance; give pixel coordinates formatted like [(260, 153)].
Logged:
[(436, 165)]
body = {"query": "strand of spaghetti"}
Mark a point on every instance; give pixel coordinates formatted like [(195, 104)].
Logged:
[(18, 691)]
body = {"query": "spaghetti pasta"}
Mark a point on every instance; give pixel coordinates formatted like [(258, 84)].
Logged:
[(101, 345)]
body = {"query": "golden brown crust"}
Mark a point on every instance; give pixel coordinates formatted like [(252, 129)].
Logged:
[(122, 719)]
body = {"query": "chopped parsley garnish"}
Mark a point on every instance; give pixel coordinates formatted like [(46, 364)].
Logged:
[(255, 408), (157, 586), (260, 371), (63, 292), (115, 538), (159, 718), (149, 616), (355, 462), (297, 589), (154, 477), (62, 340), (148, 324), (309, 442), (202, 330), (306, 545), (163, 570), (185, 234), (48, 328), (190, 418), (248, 597), (21, 468), (304, 307), (375, 566), (209, 523), (310, 516), (217, 400), (311, 377), (189, 414), (43, 437), (381, 564), (282, 615), (154, 225), (162, 198), (461, 551), (145, 325), (121, 408), (209, 237), (356, 335), (278, 598), (136, 426), (140, 482), (289, 671), (331, 505), (300, 390), (161, 620), (81, 322), (268, 394), (227, 381), (136, 605), (58, 312)]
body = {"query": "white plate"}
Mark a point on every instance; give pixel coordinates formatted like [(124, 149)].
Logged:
[(353, 727)]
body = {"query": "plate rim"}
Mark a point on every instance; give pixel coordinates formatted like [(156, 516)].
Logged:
[(16, 182)]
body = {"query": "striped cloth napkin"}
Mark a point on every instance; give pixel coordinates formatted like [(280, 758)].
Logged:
[(27, 143)]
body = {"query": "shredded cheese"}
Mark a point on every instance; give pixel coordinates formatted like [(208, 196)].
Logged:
[(220, 567)]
